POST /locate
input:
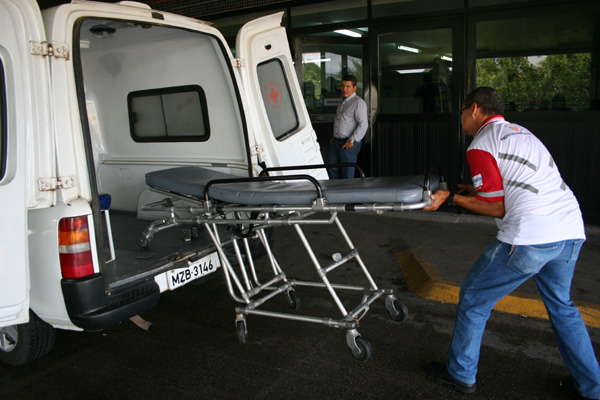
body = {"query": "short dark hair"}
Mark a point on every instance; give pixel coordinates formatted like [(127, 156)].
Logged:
[(488, 99), (349, 78)]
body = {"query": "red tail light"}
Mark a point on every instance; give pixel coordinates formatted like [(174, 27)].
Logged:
[(74, 247)]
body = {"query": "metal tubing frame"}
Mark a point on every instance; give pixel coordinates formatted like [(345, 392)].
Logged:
[(211, 216), (303, 318), (348, 319)]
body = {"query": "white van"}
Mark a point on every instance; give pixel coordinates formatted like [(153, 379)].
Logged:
[(92, 97)]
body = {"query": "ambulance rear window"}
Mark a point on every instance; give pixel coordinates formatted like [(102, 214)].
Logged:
[(277, 99), (174, 114)]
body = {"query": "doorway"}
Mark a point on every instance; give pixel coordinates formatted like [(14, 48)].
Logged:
[(325, 58), (418, 83)]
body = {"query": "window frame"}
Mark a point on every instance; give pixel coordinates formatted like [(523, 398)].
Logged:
[(164, 91)]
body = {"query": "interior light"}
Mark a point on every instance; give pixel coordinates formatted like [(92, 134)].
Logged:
[(406, 48), (348, 32), (316, 60), (446, 58), (413, 71)]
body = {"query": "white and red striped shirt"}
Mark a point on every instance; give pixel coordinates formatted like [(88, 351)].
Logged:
[(509, 163)]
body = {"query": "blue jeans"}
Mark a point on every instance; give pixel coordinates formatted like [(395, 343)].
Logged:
[(338, 155), (501, 269)]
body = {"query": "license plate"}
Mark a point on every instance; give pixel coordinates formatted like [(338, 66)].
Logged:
[(195, 269)]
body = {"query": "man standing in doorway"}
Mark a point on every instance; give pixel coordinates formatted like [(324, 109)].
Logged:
[(540, 234), (349, 129)]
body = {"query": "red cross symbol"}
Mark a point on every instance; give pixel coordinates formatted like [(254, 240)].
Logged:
[(273, 95)]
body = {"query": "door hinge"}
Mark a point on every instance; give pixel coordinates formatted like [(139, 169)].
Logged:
[(256, 150), (49, 184), (44, 49), (238, 62)]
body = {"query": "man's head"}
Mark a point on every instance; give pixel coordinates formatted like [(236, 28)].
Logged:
[(348, 86), (478, 106)]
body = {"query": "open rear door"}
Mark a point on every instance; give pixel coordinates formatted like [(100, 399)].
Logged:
[(280, 121), (23, 116)]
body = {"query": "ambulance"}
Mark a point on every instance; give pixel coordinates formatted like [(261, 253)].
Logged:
[(92, 97)]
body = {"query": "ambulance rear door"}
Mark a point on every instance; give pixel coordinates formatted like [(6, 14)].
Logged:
[(26, 147), (279, 119)]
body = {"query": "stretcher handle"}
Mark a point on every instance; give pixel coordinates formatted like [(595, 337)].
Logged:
[(426, 183), (309, 178), (313, 166)]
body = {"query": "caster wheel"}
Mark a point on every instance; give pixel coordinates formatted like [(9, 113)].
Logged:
[(363, 353), (143, 241), (240, 327), (397, 311), (293, 299)]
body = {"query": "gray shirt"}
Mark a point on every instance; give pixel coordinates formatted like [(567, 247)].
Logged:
[(351, 120)]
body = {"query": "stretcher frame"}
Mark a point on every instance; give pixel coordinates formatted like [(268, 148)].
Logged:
[(251, 221)]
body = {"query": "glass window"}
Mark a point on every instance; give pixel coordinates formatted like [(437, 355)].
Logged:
[(388, 8), (328, 12), (323, 65), (171, 114), (277, 99), (477, 3), (415, 71), (3, 140), (537, 63)]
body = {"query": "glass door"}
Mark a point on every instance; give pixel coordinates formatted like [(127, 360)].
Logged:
[(323, 65), (415, 71), (325, 59), (418, 87)]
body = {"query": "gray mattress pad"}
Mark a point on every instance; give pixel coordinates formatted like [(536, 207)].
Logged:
[(191, 181)]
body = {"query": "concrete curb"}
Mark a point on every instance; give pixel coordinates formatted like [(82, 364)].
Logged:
[(424, 281)]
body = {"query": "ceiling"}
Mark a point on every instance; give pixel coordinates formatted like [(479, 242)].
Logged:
[(535, 34)]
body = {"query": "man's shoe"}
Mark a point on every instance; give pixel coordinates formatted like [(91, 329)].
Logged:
[(439, 372), (569, 386)]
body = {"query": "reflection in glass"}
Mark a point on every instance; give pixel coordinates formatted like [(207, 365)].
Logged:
[(415, 72), (527, 61), (323, 66)]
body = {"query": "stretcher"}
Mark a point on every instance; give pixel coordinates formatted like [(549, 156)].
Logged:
[(249, 206)]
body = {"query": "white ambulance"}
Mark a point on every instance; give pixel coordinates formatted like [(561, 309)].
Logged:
[(92, 97)]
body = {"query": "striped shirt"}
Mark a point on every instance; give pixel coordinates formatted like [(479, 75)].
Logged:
[(508, 163)]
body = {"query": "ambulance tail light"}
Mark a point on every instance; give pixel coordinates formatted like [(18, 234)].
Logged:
[(74, 247)]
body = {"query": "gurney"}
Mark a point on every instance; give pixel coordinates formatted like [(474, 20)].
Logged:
[(249, 206)]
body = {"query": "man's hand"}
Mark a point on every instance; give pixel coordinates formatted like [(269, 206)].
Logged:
[(348, 144), (438, 199)]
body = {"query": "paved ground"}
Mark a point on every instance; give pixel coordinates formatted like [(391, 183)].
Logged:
[(192, 352)]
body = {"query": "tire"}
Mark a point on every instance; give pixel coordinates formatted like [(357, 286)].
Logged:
[(293, 299), (364, 350), (24, 343), (397, 311), (240, 327)]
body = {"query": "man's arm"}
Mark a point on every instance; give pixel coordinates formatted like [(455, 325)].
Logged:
[(362, 123), (470, 202), (489, 208)]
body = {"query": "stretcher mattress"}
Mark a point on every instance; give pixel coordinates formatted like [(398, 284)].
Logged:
[(191, 181)]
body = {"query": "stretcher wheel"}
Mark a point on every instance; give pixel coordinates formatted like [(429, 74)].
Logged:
[(293, 299), (363, 353), (142, 240), (240, 327), (397, 311)]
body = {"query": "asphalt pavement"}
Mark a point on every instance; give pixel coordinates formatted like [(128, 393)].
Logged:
[(193, 352)]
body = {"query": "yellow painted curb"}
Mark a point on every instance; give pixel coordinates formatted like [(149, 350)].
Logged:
[(424, 280)]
